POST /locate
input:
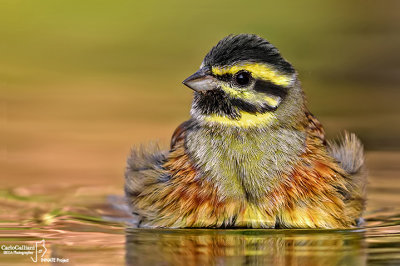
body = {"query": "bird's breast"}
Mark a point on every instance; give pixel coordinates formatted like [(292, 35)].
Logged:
[(242, 164)]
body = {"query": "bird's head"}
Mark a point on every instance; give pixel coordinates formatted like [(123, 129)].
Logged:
[(243, 81)]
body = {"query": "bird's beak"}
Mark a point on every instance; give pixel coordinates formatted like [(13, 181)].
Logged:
[(201, 80)]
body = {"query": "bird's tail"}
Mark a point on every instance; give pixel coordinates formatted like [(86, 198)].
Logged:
[(349, 152), (144, 167)]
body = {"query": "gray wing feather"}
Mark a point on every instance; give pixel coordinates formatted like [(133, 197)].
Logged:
[(349, 152), (144, 167)]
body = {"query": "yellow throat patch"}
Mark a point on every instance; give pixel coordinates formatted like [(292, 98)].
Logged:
[(246, 120)]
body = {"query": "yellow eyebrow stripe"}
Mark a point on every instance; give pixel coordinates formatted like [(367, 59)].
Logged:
[(261, 71), (246, 120)]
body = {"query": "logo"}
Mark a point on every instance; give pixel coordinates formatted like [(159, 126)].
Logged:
[(36, 251), (39, 250)]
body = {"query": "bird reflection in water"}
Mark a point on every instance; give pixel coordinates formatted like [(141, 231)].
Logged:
[(244, 247)]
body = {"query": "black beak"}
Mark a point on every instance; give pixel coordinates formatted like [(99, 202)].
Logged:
[(202, 80)]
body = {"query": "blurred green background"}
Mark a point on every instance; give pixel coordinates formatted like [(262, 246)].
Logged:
[(83, 81)]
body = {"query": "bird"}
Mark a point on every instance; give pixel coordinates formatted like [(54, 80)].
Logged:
[(251, 155)]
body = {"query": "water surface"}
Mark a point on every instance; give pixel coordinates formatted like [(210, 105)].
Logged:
[(90, 225)]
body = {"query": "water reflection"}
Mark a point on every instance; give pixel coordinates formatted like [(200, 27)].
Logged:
[(244, 247)]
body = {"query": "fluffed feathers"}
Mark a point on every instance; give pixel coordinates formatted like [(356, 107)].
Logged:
[(349, 153), (167, 190)]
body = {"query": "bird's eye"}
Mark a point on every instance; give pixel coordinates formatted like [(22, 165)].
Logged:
[(243, 78)]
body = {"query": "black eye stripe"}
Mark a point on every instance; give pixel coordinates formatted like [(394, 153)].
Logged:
[(259, 86), (229, 77), (225, 77), (270, 88)]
